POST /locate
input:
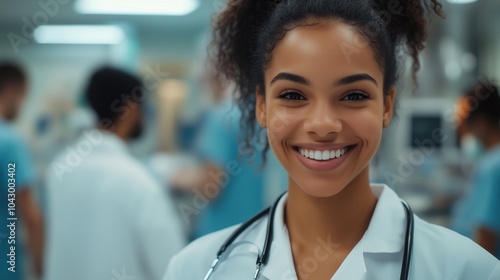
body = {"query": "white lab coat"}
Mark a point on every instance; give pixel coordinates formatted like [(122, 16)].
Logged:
[(438, 253), (107, 217)]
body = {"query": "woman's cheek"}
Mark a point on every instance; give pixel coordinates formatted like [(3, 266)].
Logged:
[(281, 125), (280, 119), (367, 125)]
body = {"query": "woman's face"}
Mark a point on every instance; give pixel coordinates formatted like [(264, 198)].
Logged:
[(324, 107)]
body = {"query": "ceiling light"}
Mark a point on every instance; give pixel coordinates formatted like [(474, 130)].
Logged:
[(137, 7), (461, 1), (79, 34)]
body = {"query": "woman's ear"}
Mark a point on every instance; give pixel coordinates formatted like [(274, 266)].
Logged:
[(388, 107), (260, 108)]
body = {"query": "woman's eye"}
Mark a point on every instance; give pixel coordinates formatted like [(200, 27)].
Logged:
[(356, 96), (291, 95)]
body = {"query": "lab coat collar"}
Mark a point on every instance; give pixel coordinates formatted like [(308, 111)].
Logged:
[(282, 266), (385, 234), (104, 142), (387, 228)]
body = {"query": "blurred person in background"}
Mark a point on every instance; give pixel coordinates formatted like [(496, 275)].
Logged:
[(107, 217), (227, 188), (13, 150), (477, 215)]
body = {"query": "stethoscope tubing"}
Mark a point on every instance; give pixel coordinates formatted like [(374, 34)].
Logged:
[(263, 258)]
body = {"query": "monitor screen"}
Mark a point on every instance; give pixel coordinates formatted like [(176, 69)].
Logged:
[(424, 128)]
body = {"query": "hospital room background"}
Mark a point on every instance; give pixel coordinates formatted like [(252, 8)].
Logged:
[(59, 44)]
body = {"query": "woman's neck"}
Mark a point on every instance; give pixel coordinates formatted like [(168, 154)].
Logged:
[(341, 219)]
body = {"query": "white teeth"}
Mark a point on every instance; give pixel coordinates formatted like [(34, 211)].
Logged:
[(322, 155), (325, 155), (317, 155)]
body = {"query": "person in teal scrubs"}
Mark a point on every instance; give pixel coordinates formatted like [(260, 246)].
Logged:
[(477, 215), (17, 176), (221, 145)]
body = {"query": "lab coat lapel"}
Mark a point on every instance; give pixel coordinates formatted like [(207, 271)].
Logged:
[(353, 267), (280, 265), (385, 234), (384, 239), (386, 231)]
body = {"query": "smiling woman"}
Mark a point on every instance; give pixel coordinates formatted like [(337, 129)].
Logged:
[(320, 77), (335, 105)]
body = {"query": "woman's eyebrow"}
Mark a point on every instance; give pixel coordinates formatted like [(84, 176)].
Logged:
[(343, 81), (354, 78), (290, 77)]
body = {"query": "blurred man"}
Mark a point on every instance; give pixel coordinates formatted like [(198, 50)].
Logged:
[(16, 183), (108, 218), (478, 214)]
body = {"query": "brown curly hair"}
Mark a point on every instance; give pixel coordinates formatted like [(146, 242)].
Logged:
[(246, 32)]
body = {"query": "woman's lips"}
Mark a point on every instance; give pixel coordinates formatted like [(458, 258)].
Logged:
[(323, 161)]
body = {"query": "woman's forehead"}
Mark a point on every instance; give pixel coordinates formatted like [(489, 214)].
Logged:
[(335, 48)]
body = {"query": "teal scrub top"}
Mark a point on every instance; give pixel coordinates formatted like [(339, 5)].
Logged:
[(13, 150), (241, 194), (481, 205)]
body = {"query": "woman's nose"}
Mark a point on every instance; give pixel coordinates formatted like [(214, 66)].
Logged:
[(322, 120)]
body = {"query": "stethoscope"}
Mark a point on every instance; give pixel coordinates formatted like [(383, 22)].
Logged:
[(264, 256)]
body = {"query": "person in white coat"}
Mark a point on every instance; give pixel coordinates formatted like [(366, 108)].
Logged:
[(378, 255), (107, 217), (320, 77)]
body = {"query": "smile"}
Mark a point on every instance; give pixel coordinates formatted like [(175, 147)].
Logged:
[(322, 155), (322, 159)]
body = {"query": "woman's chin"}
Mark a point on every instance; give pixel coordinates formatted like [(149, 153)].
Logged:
[(320, 188)]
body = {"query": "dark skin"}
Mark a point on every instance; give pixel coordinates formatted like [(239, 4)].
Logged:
[(33, 222), (11, 99), (487, 239), (334, 204), (488, 133), (124, 126), (353, 220)]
